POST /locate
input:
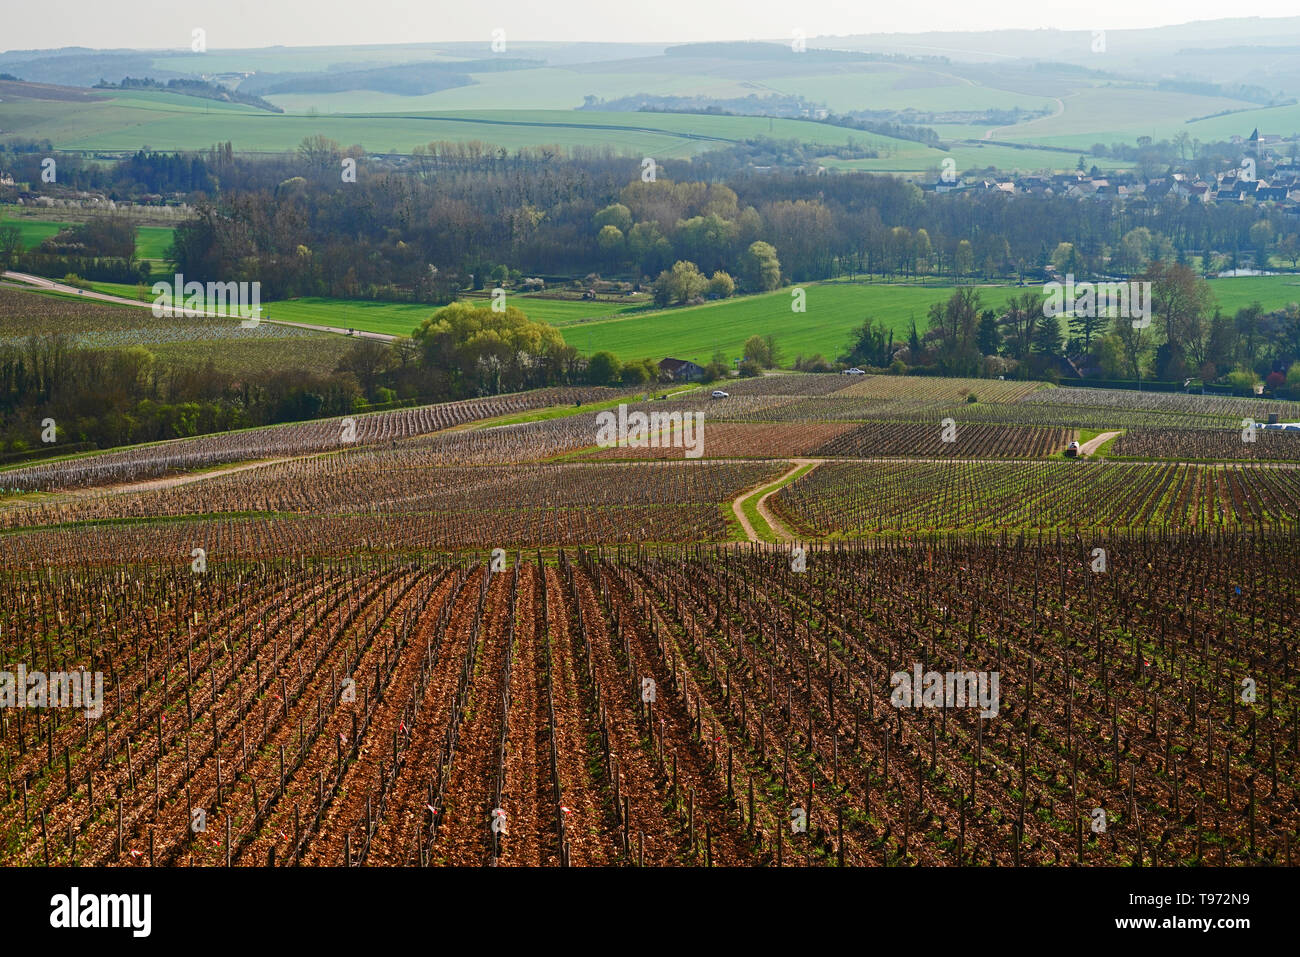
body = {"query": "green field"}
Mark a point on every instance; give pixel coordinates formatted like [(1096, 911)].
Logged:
[(151, 242), (34, 231), (541, 89), (834, 309), (1273, 292), (902, 86), (401, 318), (383, 122), (564, 312), (133, 120)]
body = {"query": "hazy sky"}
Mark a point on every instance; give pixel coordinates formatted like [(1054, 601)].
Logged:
[(33, 24)]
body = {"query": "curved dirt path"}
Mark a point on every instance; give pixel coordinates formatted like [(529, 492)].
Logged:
[(773, 523), (765, 492), (1092, 445)]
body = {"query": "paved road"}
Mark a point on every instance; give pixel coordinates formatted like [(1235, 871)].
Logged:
[(49, 284)]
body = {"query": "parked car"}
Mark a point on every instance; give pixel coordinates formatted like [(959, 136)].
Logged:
[(1072, 450), (719, 394), (854, 371)]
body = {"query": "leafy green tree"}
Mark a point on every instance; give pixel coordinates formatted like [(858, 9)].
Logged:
[(758, 352), (1135, 250), (1243, 380), (773, 349), (1109, 352), (1293, 377), (610, 239), (721, 285), (923, 251), (648, 247), (964, 258), (706, 239), (717, 367), (759, 267), (635, 374), (1179, 302), (616, 215), (484, 352), (1065, 258), (681, 283), (603, 368), (612, 244)]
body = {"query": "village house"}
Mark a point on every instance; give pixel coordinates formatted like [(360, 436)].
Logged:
[(680, 370)]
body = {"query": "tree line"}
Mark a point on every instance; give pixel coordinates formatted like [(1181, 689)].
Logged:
[(422, 227), (1188, 337)]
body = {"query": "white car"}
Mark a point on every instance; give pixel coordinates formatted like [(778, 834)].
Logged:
[(719, 394), (854, 371)]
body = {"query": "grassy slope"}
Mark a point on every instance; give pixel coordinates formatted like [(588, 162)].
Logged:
[(1110, 114)]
